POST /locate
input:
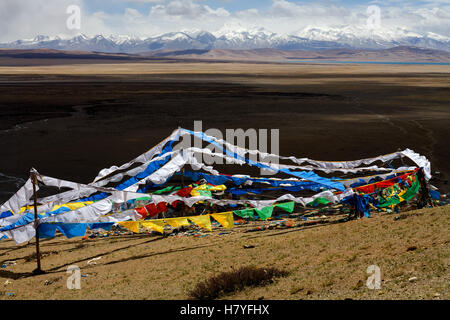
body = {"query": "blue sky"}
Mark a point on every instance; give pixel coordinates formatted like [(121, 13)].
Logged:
[(141, 18), (117, 6)]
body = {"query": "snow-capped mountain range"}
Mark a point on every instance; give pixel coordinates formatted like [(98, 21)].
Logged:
[(309, 38)]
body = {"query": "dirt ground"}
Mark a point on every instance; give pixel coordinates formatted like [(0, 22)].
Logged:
[(324, 262)]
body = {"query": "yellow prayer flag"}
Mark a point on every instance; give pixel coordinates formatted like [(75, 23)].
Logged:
[(202, 221), (131, 225), (221, 187), (156, 225), (204, 187), (177, 222), (25, 208), (224, 218), (400, 195), (70, 205), (77, 205)]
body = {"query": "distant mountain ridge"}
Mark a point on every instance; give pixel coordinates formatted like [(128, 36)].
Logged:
[(396, 54), (310, 38)]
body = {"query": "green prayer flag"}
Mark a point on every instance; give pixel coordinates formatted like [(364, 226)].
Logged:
[(318, 201), (142, 198), (287, 206), (205, 193), (412, 191), (395, 199), (245, 213), (265, 213), (167, 189)]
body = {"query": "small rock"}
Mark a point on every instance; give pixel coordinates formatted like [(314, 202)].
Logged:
[(50, 281), (248, 246), (437, 294), (412, 279), (92, 261)]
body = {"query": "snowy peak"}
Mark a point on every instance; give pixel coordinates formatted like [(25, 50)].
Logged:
[(230, 32), (378, 38)]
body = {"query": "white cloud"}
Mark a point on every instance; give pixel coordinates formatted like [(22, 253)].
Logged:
[(131, 14), (187, 9), (143, 1), (27, 18), (282, 8)]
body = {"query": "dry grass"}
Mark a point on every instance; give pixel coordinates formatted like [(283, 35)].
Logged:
[(236, 68), (234, 281), (323, 262)]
